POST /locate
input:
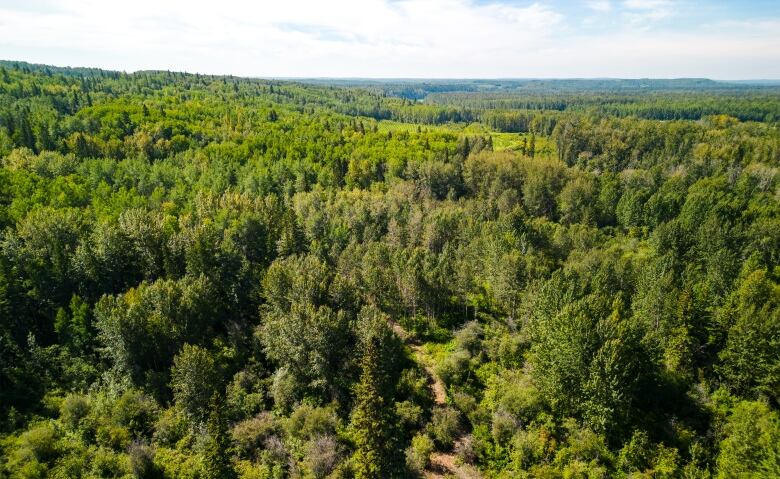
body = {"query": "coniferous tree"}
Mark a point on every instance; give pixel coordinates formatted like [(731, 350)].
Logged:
[(368, 419), (217, 456)]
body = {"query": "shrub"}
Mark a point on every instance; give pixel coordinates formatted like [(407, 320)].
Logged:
[(418, 454), (455, 367), (585, 446), (136, 412), (307, 422), (513, 392), (322, 455), (170, 428), (245, 395), (115, 437), (193, 378), (528, 447), (410, 415), (41, 441), (106, 463), (636, 453), (464, 402), (466, 449), (141, 458), (468, 338), (750, 447), (74, 408), (178, 464), (503, 426), (444, 426), (274, 454), (284, 389), (413, 384), (249, 435), (32, 470)]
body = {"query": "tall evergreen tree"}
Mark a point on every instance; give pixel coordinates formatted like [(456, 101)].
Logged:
[(217, 456), (368, 420)]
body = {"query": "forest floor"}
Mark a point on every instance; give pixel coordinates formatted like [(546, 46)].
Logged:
[(443, 464)]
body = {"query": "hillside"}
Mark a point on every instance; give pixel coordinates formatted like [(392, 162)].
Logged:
[(219, 277)]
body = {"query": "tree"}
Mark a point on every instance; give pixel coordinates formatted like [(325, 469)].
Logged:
[(193, 381), (309, 342), (143, 329), (218, 454), (369, 423), (300, 332), (750, 360), (751, 446), (74, 329), (587, 360)]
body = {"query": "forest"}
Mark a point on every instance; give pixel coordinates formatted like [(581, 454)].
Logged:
[(214, 277)]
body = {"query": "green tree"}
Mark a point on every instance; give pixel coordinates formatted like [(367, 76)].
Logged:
[(143, 329), (217, 456), (750, 360), (193, 381), (369, 423), (74, 329), (751, 446)]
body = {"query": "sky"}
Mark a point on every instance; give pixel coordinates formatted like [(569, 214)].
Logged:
[(719, 39)]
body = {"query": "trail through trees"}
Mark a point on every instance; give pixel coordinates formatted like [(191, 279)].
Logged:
[(443, 464)]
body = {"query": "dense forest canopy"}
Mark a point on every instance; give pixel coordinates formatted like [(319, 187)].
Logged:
[(221, 277)]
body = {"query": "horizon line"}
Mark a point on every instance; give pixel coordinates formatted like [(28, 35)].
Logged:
[(400, 78)]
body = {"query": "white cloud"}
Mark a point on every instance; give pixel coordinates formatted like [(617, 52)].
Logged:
[(647, 4), (643, 13), (377, 38), (291, 38), (600, 5), (697, 54)]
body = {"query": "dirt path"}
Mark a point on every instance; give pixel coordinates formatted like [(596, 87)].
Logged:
[(443, 464)]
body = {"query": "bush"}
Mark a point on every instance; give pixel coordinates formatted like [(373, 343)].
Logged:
[(636, 453), (193, 379), (528, 447), (413, 384), (250, 435), (583, 446), (410, 415), (464, 402), (444, 426), (178, 464), (32, 470), (274, 454), (74, 408), (106, 463), (75, 464), (170, 428), (513, 392), (468, 338), (284, 389), (141, 458), (245, 395), (136, 412), (418, 454), (503, 426), (466, 449), (322, 455), (117, 438), (455, 367), (41, 441), (307, 422)]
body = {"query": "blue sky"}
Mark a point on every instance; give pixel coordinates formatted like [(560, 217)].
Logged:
[(721, 39)]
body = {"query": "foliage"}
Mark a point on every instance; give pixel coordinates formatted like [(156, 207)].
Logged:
[(211, 276)]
